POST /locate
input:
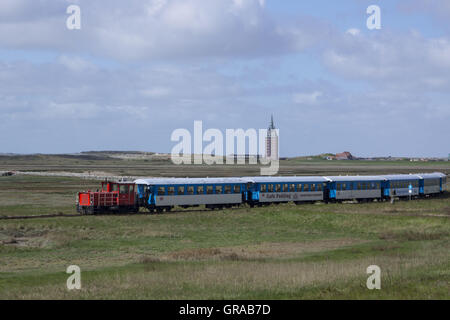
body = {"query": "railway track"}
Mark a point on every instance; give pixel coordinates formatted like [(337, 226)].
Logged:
[(70, 215), (54, 215)]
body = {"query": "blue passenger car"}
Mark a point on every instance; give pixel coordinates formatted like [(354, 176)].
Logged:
[(165, 193), (266, 190), (432, 183), (401, 185), (355, 187)]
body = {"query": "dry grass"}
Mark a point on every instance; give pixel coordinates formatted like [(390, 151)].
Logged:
[(233, 278), (269, 250)]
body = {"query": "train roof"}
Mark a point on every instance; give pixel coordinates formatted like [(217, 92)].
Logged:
[(159, 181), (272, 179), (402, 176), (434, 175), (355, 178)]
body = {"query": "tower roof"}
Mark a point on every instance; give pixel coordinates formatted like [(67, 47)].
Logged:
[(272, 126)]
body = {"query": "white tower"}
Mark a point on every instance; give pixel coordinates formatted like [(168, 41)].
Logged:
[(272, 142)]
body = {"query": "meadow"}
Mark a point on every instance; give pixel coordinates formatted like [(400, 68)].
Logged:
[(311, 251)]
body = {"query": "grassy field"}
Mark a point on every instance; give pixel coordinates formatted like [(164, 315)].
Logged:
[(312, 251), (165, 168)]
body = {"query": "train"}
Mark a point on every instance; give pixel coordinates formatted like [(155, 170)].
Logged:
[(163, 194)]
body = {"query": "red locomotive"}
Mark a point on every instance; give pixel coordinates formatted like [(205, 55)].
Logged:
[(113, 196)]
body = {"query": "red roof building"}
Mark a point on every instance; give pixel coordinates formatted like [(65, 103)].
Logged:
[(344, 156)]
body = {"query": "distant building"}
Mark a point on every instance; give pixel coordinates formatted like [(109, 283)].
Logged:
[(272, 142), (344, 156)]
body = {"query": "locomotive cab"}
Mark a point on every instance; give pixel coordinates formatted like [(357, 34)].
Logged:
[(113, 196)]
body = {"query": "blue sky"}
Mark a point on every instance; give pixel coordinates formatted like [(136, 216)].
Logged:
[(138, 70)]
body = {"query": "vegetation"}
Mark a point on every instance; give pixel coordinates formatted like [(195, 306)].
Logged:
[(279, 252)]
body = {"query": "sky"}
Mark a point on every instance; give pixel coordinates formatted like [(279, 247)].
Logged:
[(137, 70)]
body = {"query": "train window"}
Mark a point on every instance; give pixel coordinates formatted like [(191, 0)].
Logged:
[(227, 189), (170, 191), (263, 188), (115, 187), (190, 190), (378, 185), (319, 187), (278, 187), (270, 187), (209, 189), (200, 190), (285, 187), (123, 188), (313, 187), (219, 189), (358, 186), (299, 187), (338, 187), (180, 190), (344, 186), (363, 186), (306, 187), (292, 188), (237, 189), (161, 191)]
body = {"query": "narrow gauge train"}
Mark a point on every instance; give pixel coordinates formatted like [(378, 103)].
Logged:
[(159, 194)]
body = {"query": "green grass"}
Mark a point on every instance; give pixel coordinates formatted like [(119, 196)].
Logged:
[(311, 251)]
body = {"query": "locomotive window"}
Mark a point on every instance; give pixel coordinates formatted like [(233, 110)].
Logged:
[(270, 187), (227, 189), (170, 191), (161, 191), (278, 187), (237, 189), (115, 187), (263, 188), (200, 190), (292, 188), (218, 189), (190, 190), (131, 189), (209, 189), (180, 190), (123, 188)]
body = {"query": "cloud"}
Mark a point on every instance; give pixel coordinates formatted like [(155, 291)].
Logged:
[(307, 98), (405, 61), (353, 31), (154, 29)]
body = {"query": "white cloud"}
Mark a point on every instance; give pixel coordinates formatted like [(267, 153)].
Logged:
[(353, 31), (307, 98)]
